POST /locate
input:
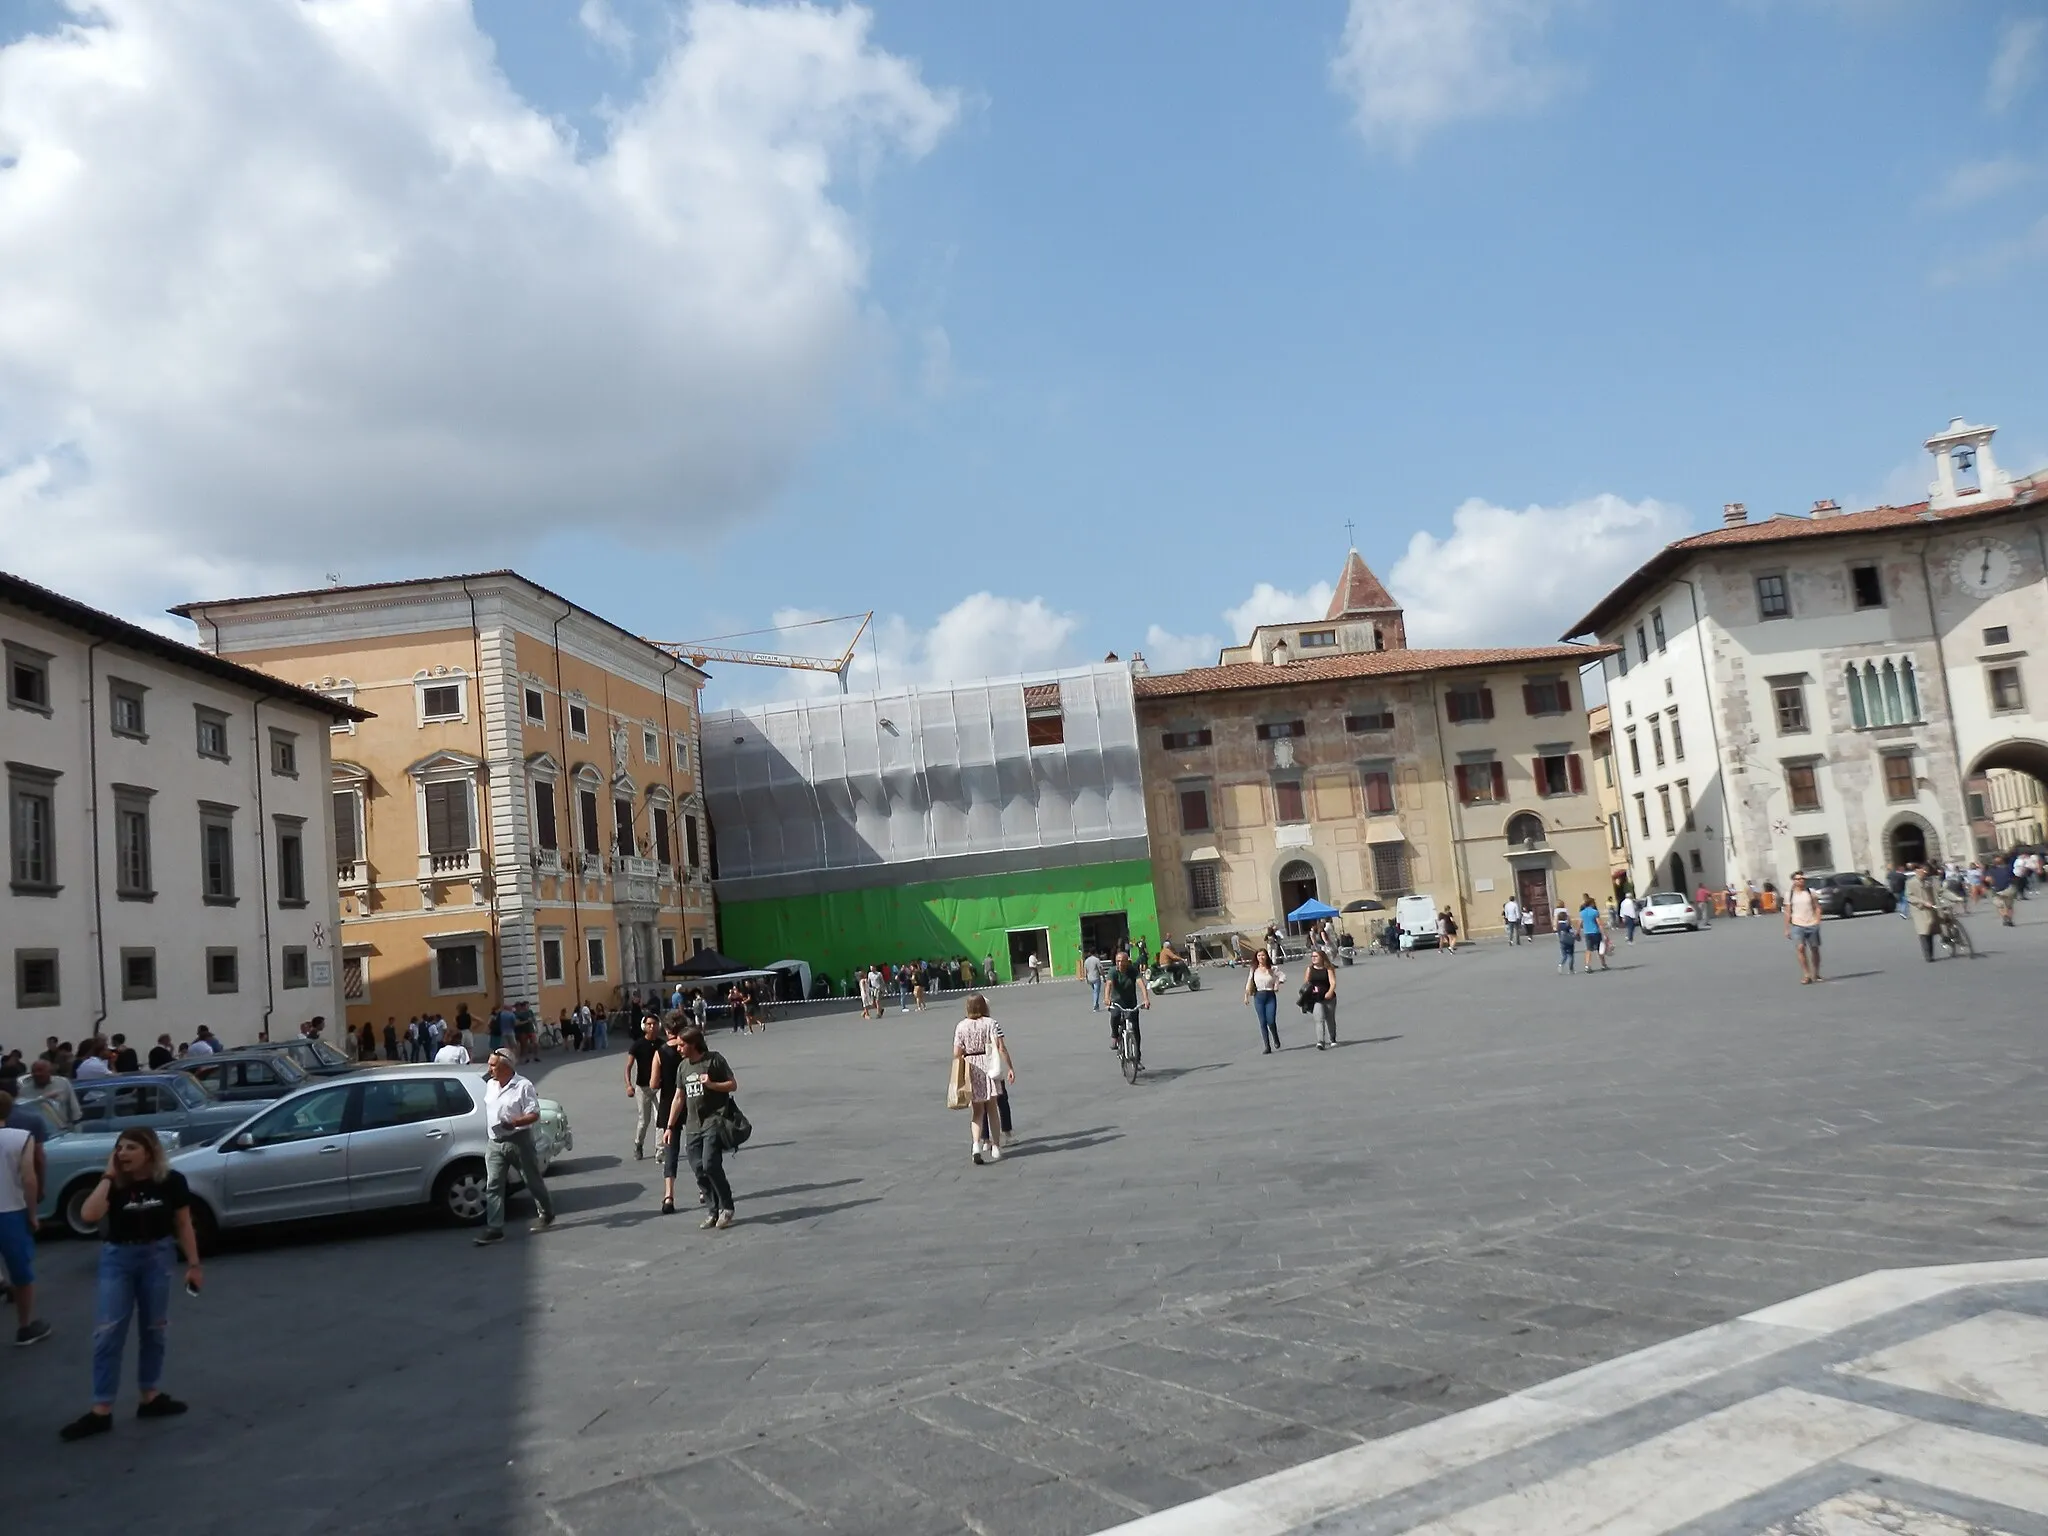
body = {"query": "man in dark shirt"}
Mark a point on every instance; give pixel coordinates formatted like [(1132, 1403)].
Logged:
[(639, 1082), (1127, 994), (161, 1054), (707, 1085), (667, 1076), (125, 1059)]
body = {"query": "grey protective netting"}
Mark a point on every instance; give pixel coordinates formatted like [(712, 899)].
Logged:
[(900, 778)]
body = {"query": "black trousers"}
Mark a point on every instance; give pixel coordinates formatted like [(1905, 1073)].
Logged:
[(1927, 946)]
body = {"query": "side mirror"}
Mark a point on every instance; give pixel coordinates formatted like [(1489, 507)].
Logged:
[(243, 1142)]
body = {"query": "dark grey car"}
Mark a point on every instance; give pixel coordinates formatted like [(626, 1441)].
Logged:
[(1851, 895), (246, 1077)]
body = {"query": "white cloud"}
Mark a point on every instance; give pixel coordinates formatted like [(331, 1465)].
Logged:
[(605, 28), (1412, 66), (1166, 651), (983, 635), (338, 294), (2017, 61), (1994, 258), (1979, 181), (1269, 605), (1507, 577)]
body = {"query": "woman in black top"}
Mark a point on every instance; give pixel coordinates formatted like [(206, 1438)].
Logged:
[(148, 1216), (667, 1073)]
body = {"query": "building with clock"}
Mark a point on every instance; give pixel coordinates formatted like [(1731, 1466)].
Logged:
[(1830, 690)]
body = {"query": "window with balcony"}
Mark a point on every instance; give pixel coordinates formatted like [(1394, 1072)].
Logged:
[(450, 825), (547, 834), (690, 840), (348, 834), (622, 826), (586, 823), (662, 848)]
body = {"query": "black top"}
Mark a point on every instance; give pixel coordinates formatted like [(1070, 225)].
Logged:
[(671, 1074), (125, 1060), (160, 1056), (702, 1102), (1123, 984), (644, 1052), (144, 1213)]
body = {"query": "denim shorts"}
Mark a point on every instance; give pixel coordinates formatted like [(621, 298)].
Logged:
[(17, 1247), (1805, 937)]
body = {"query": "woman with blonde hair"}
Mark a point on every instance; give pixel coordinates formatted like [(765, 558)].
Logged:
[(978, 1039), (148, 1214)]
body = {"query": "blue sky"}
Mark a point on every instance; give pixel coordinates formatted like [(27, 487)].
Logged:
[(1125, 309)]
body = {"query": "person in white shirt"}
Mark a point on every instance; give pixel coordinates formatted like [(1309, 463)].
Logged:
[(203, 1044), (511, 1109), (1511, 914), (54, 1093), (91, 1065), (1630, 915), (453, 1054), (20, 1194)]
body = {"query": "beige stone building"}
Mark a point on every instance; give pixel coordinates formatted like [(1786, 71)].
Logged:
[(1607, 785), (522, 817), (1327, 759)]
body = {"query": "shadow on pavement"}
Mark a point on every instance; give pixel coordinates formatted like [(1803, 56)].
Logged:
[(1060, 1144), (1168, 1074), (803, 1212), (597, 1197), (798, 1189)]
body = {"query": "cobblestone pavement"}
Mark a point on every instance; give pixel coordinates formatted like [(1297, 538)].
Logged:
[(1241, 1263)]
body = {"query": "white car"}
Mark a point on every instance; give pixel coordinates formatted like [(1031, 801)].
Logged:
[(1666, 910)]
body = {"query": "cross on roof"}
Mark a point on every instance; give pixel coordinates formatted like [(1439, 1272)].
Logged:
[(1350, 533)]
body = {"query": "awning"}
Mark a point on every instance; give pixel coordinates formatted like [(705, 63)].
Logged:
[(1205, 854), (1386, 831)]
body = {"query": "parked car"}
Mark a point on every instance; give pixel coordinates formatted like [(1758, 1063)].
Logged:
[(244, 1076), (1666, 910), (1415, 916), (316, 1058), (1851, 895), (72, 1165), (173, 1101), (401, 1136)]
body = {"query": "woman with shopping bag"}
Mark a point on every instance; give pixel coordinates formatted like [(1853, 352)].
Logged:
[(978, 1046)]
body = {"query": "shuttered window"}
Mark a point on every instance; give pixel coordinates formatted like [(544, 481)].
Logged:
[(1379, 793), (544, 830), (1469, 704), (1481, 782), (448, 818)]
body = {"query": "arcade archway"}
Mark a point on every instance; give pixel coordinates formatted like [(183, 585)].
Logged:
[(2006, 793)]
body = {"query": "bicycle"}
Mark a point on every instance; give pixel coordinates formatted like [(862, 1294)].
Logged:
[(1950, 933), (1121, 1019)]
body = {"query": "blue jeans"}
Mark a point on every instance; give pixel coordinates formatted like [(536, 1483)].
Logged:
[(135, 1279), (1266, 1006), (1095, 993), (706, 1152), (1567, 954)]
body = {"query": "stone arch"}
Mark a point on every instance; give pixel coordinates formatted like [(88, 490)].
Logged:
[(1525, 829), (1910, 838), (1300, 868)]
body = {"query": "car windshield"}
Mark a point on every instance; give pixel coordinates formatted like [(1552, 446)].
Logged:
[(325, 1054), (1667, 899), (194, 1093)]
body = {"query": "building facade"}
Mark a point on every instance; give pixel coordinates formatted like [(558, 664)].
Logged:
[(1818, 691), (170, 860), (994, 820), (522, 818), (1607, 786), (1355, 769)]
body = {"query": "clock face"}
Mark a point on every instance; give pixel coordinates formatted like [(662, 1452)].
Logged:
[(1984, 566)]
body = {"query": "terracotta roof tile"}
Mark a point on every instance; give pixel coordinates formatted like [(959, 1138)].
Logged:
[(1041, 695), (1359, 591), (1253, 674), (1786, 530)]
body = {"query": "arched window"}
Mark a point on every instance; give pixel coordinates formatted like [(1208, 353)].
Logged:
[(1525, 830), (1873, 693), (1894, 711), (1910, 687), (1857, 714)]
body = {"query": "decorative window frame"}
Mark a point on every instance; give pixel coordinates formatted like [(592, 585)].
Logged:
[(19, 655), (352, 779), (131, 800), (477, 939), (447, 767), (573, 704), (343, 691), (585, 778), (542, 770), (121, 691), (440, 677)]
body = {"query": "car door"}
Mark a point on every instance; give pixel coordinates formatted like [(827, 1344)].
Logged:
[(291, 1161), (95, 1106), (400, 1134)]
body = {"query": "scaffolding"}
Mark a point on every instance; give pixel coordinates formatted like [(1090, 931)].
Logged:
[(1006, 774)]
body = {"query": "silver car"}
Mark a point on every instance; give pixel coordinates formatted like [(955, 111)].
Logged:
[(403, 1135)]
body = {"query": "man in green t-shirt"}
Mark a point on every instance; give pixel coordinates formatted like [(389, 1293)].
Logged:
[(705, 1086), (1127, 994)]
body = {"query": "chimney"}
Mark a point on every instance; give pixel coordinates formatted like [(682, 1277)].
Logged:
[(1734, 514), (1140, 667), (1827, 507), (1280, 654)]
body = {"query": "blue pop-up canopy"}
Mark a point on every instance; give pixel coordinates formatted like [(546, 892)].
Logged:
[(1309, 911)]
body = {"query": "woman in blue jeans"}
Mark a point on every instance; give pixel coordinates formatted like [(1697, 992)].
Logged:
[(1262, 991), (148, 1214)]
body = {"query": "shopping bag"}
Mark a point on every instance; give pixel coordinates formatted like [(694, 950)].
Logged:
[(958, 1094)]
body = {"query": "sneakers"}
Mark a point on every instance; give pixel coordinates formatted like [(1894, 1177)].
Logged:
[(977, 1155), (544, 1223), (31, 1333), (708, 1222), (493, 1235), (995, 1152), (724, 1220), (162, 1406), (86, 1425)]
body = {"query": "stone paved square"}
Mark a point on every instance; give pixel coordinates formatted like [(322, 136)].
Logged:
[(1240, 1264)]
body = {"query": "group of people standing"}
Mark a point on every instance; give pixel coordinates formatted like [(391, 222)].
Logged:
[(684, 1091), (912, 981)]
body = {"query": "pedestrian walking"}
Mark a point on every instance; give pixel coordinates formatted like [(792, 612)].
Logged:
[(988, 968), (639, 1087), (698, 1113), (667, 1078), (1091, 968), (1802, 927), (978, 1040), (1034, 962), (1319, 988), (1446, 933), (21, 1191), (511, 1109), (1923, 904), (453, 1052), (1589, 930), (1529, 924), (1511, 919), (2003, 890), (1630, 916), (1262, 991), (1567, 940), (147, 1211), (1705, 905)]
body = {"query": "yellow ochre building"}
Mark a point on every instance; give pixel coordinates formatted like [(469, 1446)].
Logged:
[(521, 819)]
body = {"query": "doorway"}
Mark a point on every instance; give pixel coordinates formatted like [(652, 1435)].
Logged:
[(1532, 890), (1297, 885), (1024, 943), (1909, 844), (1104, 933), (1677, 874)]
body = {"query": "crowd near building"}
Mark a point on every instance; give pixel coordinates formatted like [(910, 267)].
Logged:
[(373, 802)]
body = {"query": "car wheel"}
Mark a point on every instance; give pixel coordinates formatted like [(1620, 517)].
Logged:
[(459, 1194), (72, 1208)]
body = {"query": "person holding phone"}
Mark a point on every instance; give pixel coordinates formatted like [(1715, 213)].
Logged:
[(147, 1211)]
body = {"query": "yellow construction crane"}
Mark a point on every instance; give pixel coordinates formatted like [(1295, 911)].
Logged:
[(697, 652)]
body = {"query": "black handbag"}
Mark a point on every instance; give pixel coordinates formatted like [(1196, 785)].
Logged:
[(734, 1126)]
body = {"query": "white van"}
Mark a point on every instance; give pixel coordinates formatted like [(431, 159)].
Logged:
[(1415, 917)]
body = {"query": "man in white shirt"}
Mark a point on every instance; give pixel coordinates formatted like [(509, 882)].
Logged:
[(203, 1043), (453, 1054), (1092, 969), (20, 1194), (54, 1093), (511, 1109), (1630, 915), (92, 1064), (1511, 914)]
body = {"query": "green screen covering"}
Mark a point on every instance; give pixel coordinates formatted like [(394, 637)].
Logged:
[(838, 930)]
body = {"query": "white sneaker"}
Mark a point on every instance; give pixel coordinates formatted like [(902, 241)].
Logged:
[(995, 1152)]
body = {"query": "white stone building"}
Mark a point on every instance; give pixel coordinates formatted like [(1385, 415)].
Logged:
[(170, 855), (1816, 691)]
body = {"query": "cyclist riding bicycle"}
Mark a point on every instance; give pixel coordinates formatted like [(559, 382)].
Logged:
[(1127, 994)]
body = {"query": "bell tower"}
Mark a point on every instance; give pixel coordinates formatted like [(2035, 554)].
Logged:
[(1360, 598), (1965, 473)]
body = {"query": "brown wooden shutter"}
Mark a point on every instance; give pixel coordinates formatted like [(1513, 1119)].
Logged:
[(1500, 782), (586, 805), (1530, 706), (345, 849), (1576, 771), (1564, 696), (447, 818), (544, 817), (1486, 703), (1454, 706), (1464, 786)]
